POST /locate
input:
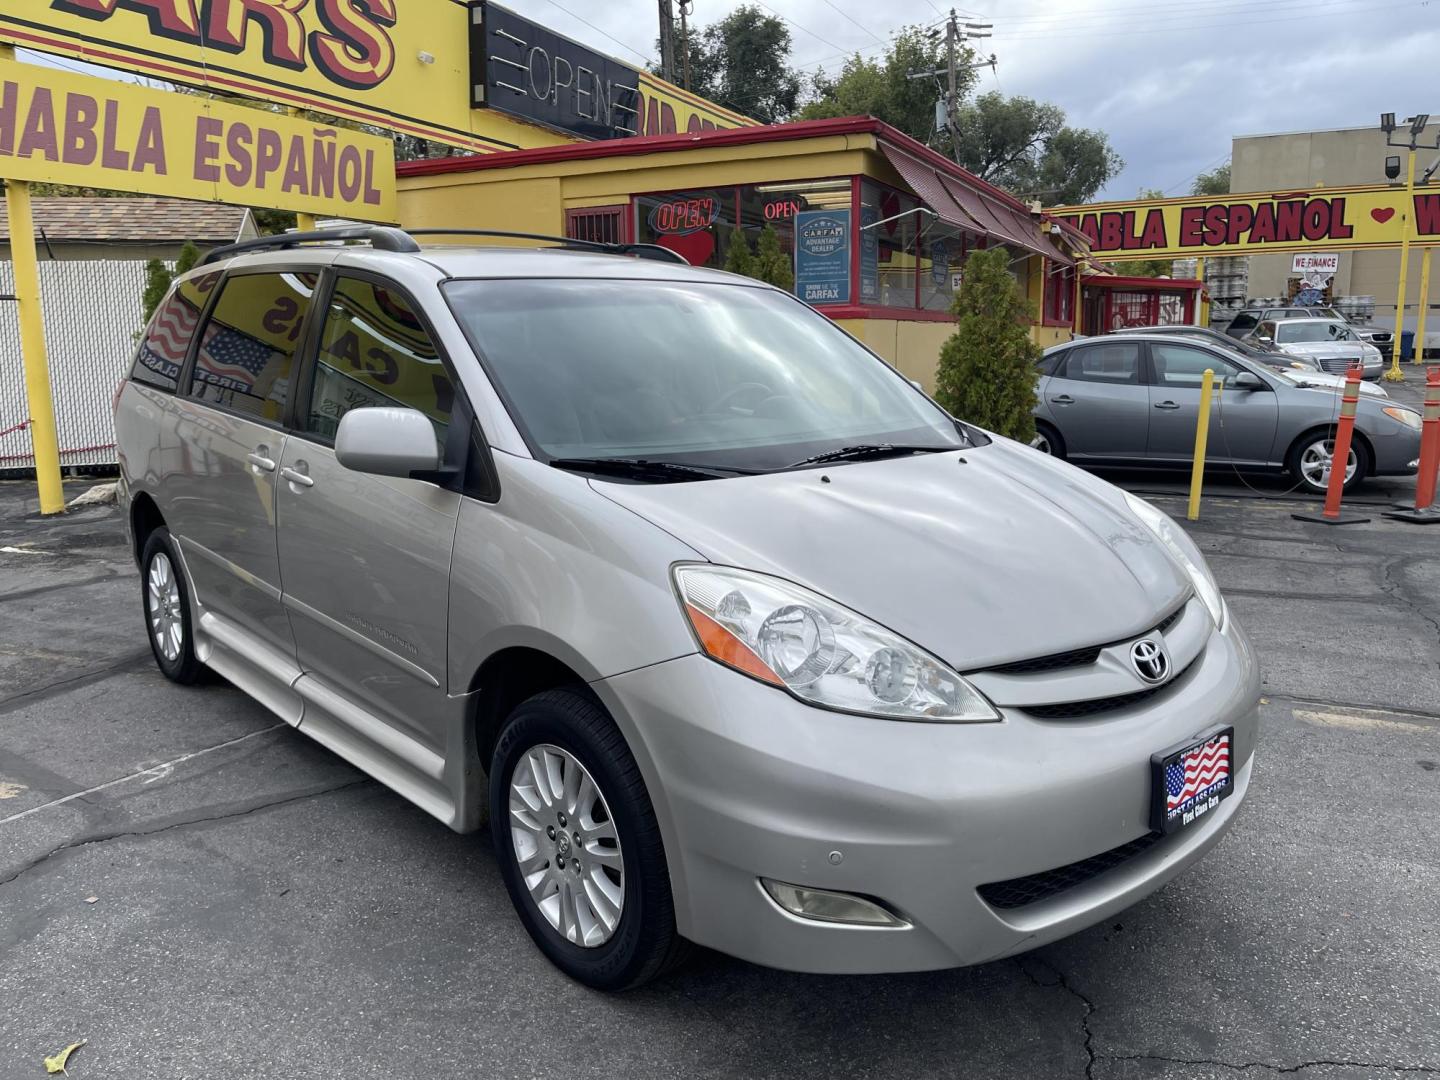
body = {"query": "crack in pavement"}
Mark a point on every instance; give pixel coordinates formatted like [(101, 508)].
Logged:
[(1092, 1057), (1394, 588), (1243, 1065), (242, 811), (121, 666)]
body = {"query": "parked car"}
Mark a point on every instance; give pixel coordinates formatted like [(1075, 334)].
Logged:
[(1134, 401), (1329, 343), (1246, 320), (734, 636), (1301, 369)]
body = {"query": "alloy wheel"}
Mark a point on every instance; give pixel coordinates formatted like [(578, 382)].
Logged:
[(1315, 463), (162, 599), (1041, 442), (566, 846)]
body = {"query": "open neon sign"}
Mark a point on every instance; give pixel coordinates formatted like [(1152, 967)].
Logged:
[(680, 217)]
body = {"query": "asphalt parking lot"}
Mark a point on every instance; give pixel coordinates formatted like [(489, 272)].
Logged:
[(201, 892)]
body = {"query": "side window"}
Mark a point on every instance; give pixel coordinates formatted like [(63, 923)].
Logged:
[(1268, 330), (247, 349), (375, 351), (1182, 367), (167, 339), (1114, 362)]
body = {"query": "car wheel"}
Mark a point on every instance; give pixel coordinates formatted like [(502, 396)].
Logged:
[(166, 598), (1310, 461), (578, 845), (1048, 441)]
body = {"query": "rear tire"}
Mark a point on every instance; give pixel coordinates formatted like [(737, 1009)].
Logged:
[(1048, 441), (165, 597), (611, 923), (1312, 451)]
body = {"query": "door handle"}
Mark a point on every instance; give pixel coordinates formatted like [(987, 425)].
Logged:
[(261, 459), (1166, 405), (297, 478), (1062, 399)]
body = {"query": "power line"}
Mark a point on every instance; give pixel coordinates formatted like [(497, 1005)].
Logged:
[(648, 58), (792, 22), (1308, 10), (845, 14)]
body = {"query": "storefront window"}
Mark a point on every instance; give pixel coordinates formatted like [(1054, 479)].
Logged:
[(1059, 294), (891, 218), (942, 253), (695, 224)]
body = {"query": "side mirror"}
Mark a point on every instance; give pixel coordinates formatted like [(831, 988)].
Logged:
[(1248, 380), (1265, 339), (387, 442)]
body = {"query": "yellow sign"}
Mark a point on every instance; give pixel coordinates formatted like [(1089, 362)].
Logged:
[(1344, 219), (76, 129), (666, 109), (400, 66)]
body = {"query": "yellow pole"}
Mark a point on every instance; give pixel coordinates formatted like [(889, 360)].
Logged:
[(43, 440), (1202, 435), (1418, 357), (1203, 313), (1395, 374)]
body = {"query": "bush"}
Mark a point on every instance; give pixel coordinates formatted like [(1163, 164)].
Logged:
[(987, 370), (772, 264), (738, 259), (157, 284)]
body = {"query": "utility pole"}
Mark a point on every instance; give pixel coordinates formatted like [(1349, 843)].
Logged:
[(685, 6), (667, 40), (952, 106), (956, 35)]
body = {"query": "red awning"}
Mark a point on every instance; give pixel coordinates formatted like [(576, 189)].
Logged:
[(965, 206)]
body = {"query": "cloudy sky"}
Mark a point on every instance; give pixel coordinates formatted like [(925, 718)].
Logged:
[(1170, 81)]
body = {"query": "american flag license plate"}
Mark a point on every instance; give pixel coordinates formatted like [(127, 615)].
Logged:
[(1189, 781)]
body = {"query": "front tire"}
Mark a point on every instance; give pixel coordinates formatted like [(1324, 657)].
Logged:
[(166, 599), (578, 844), (1309, 460), (1048, 441)]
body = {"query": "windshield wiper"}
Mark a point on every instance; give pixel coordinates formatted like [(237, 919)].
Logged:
[(642, 469), (869, 450)]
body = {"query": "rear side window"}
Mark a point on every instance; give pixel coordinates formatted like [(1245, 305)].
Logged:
[(1244, 321), (247, 349), (375, 352), (167, 339), (1116, 362)]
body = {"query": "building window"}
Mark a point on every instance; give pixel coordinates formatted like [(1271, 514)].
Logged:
[(602, 224), (889, 275), (694, 224), (1059, 295)]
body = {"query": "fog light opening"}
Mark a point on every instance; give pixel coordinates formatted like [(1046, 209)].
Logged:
[(822, 905)]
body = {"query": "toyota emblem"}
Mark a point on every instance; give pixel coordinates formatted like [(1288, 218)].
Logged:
[(1150, 660)]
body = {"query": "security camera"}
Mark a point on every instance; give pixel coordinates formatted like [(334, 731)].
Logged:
[(1392, 168)]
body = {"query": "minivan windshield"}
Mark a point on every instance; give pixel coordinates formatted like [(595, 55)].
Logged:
[(691, 372), (1291, 333)]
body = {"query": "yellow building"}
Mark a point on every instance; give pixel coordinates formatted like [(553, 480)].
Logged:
[(883, 222)]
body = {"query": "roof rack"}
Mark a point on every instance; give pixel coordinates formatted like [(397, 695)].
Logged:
[(639, 251), (381, 237), (385, 238)]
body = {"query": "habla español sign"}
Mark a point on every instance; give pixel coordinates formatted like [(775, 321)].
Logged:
[(1341, 218), (64, 128)]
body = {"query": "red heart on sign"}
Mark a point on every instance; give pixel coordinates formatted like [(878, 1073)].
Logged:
[(1383, 215)]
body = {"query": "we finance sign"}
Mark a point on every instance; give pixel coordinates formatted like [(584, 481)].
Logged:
[(64, 128), (1342, 218)]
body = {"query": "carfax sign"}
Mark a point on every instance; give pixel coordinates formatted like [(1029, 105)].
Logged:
[(822, 256), (64, 128)]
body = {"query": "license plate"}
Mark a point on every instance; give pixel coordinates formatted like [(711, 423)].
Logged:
[(1188, 781)]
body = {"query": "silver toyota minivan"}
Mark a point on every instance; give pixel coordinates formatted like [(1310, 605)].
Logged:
[(731, 634)]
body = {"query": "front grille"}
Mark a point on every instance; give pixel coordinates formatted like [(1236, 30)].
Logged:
[(1380, 338), (1071, 710), (1072, 657), (1018, 892)]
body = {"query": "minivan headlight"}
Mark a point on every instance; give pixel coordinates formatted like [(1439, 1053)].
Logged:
[(1184, 552), (824, 654)]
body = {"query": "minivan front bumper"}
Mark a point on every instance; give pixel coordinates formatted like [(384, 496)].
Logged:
[(749, 783)]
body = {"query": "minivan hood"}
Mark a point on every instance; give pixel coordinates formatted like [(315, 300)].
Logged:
[(982, 556)]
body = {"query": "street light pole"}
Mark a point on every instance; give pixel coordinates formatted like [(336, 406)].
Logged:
[(1395, 374)]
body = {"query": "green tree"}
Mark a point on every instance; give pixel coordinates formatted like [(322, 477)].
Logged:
[(157, 283), (882, 87), (742, 61), (1024, 145), (1214, 182), (188, 258), (738, 259), (772, 263), (987, 370)]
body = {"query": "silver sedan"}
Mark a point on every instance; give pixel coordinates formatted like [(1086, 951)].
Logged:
[(1134, 402)]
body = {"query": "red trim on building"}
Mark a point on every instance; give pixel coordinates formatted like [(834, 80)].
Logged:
[(1147, 283), (892, 314)]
